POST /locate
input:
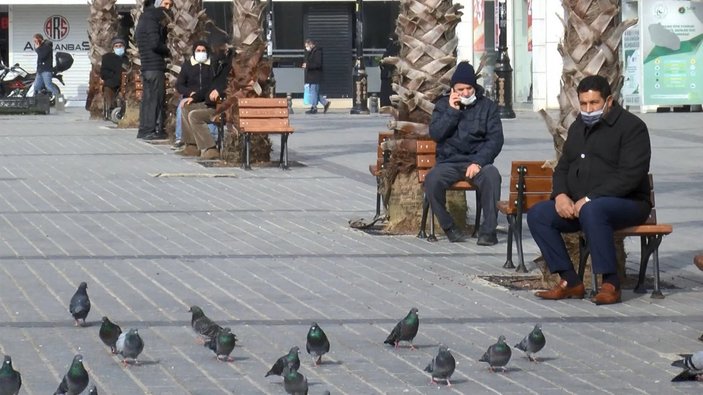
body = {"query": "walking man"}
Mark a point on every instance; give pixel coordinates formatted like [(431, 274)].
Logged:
[(313, 76), (45, 66)]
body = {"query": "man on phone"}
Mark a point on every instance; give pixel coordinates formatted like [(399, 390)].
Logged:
[(469, 135)]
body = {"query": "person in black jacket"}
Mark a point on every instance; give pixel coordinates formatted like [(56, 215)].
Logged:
[(387, 71), (45, 65), (600, 184), (111, 67), (193, 83), (151, 35), (313, 76), (469, 135)]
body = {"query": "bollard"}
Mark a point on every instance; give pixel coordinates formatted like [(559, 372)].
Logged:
[(373, 103), (60, 103), (289, 98)]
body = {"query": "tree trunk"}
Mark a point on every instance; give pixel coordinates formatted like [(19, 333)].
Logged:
[(102, 27)]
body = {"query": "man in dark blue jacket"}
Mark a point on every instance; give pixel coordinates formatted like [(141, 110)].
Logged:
[(45, 65), (600, 184), (469, 135), (151, 41)]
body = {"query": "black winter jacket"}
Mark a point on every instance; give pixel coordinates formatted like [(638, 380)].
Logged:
[(111, 69), (609, 159), (45, 56), (221, 67), (469, 135), (313, 66), (195, 79), (151, 39)]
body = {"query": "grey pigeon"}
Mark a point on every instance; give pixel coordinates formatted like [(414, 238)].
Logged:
[(405, 330), (80, 304), (93, 390), (109, 333), (293, 382), (442, 365), (282, 362), (692, 365), (317, 344), (222, 344), (532, 343), (10, 379), (701, 336), (497, 355), (75, 380), (130, 345), (203, 325)]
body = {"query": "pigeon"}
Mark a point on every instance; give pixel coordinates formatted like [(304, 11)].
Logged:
[(109, 333), (80, 304), (75, 380), (293, 382), (692, 365), (222, 344), (701, 337), (130, 345), (202, 325), (10, 379), (442, 365), (405, 330), (532, 343), (497, 355), (93, 391), (283, 361), (317, 344)]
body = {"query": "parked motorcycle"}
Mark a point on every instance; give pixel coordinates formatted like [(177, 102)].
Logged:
[(17, 82)]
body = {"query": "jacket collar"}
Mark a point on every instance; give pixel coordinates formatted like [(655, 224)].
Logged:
[(194, 62), (613, 114)]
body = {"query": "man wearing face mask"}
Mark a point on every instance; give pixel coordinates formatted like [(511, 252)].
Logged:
[(111, 67), (469, 135), (600, 184), (193, 83)]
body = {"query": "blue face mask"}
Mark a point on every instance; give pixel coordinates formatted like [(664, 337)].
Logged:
[(119, 51), (593, 117)]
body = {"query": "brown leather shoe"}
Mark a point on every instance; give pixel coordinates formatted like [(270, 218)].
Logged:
[(210, 154), (561, 291), (607, 295)]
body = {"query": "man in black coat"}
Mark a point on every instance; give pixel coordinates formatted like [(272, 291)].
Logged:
[(469, 135), (313, 76), (387, 71), (111, 68), (151, 41), (600, 184), (45, 65)]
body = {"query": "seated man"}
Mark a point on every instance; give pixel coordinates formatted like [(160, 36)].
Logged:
[(111, 67), (469, 135), (600, 184), (193, 83), (198, 114)]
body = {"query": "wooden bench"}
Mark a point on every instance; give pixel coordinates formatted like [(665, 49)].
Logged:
[(382, 157), (530, 184), (263, 116), (426, 151)]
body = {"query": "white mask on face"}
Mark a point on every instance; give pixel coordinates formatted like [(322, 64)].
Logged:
[(467, 101), (200, 57)]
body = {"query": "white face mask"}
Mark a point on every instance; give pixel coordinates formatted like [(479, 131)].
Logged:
[(467, 101), (200, 57), (308, 48)]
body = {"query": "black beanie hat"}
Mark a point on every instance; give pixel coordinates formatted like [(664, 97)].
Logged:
[(464, 74), (203, 43)]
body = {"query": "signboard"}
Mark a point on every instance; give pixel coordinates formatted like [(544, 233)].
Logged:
[(529, 25), (631, 92), (478, 25), (672, 52)]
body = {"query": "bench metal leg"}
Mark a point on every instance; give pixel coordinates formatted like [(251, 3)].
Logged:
[(649, 247), (584, 253), (423, 221), (378, 199), (221, 133), (521, 268), (477, 221), (657, 293), (247, 142), (283, 162), (509, 254), (432, 236)]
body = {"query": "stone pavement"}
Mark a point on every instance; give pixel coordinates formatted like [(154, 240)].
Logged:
[(267, 252)]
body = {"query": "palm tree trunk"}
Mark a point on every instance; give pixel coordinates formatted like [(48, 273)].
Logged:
[(102, 27)]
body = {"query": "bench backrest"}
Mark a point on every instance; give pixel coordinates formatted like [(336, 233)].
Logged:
[(263, 115), (426, 151)]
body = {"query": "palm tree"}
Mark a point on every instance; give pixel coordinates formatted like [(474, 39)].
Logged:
[(591, 45), (102, 27), (133, 91)]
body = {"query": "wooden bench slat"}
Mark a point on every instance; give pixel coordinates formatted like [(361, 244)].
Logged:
[(534, 168), (646, 230), (532, 184), (265, 125), (426, 147), (259, 102), (276, 112)]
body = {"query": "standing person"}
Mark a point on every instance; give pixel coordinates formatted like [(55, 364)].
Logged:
[(387, 70), (600, 184), (111, 67), (45, 65), (151, 41), (313, 76), (469, 135), (193, 83)]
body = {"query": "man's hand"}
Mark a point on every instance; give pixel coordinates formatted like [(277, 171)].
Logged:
[(472, 170), (185, 102), (304, 65), (564, 206), (578, 205), (454, 100), (214, 95)]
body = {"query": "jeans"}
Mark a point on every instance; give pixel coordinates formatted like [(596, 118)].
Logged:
[(151, 108), (315, 96), (43, 81)]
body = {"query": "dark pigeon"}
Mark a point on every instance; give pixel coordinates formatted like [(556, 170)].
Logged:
[(222, 344), (692, 365), (80, 304), (130, 345), (10, 379), (202, 325), (293, 382), (497, 355), (282, 362), (109, 333), (75, 380), (317, 344), (93, 390), (405, 330), (532, 343), (442, 365), (700, 337)]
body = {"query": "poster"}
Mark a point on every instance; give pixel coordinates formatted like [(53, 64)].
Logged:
[(631, 92), (478, 25), (672, 32)]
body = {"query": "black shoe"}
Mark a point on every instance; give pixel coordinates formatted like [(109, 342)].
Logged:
[(156, 136), (455, 235), (327, 107), (311, 111), (489, 239)]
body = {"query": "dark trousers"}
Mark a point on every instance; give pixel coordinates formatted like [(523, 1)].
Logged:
[(109, 98), (151, 108), (487, 181), (598, 220)]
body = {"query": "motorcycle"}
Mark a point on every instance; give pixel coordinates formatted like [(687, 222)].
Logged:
[(17, 82)]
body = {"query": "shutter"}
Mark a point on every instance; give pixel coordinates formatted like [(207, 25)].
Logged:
[(330, 26)]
